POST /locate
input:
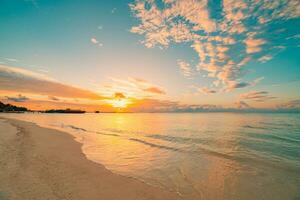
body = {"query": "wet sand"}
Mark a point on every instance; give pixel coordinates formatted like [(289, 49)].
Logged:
[(40, 163)]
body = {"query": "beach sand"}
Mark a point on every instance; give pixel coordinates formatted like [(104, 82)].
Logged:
[(40, 163)]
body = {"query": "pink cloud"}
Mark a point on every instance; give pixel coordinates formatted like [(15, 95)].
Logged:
[(253, 45)]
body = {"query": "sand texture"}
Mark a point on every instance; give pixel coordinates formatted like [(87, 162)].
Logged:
[(39, 163)]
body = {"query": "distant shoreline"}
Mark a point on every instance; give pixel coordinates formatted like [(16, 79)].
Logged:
[(207, 112)]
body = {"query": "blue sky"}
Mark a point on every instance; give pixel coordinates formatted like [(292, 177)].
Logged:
[(226, 53)]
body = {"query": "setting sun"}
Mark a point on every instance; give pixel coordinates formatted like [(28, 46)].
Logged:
[(119, 103)]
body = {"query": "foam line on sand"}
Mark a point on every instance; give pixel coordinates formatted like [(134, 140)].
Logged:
[(40, 163)]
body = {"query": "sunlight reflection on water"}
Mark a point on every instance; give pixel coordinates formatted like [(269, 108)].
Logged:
[(201, 156)]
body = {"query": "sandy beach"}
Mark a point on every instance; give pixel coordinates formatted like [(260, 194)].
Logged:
[(40, 163)]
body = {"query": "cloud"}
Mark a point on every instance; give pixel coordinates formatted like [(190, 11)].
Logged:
[(113, 10), (43, 71), (154, 90), (225, 39), (19, 98), (242, 105), (258, 96), (20, 73), (235, 85), (11, 59), (96, 42), (293, 105), (119, 95), (154, 21), (132, 87), (206, 90), (21, 80), (185, 68), (258, 80), (265, 58), (152, 105), (232, 84), (155, 105), (53, 98), (34, 3), (135, 105), (36, 104), (296, 37), (253, 45)]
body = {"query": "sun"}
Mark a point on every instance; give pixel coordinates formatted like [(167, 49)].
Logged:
[(119, 103)]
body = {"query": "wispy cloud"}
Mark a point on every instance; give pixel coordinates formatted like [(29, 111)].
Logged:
[(11, 59), (242, 105), (234, 85), (34, 3), (237, 84), (185, 68), (19, 98), (293, 104), (25, 81), (132, 87), (155, 105), (258, 96), (119, 95), (53, 98), (205, 90), (154, 90), (96, 42), (20, 72), (265, 58), (224, 44), (43, 71), (114, 10)]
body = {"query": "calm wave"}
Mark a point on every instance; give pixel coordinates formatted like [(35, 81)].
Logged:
[(201, 156)]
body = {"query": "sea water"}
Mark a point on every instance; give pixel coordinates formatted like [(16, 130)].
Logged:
[(206, 156)]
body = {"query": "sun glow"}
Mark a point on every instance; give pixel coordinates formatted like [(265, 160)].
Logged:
[(119, 103)]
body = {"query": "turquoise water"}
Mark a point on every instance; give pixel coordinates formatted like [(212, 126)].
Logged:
[(200, 156)]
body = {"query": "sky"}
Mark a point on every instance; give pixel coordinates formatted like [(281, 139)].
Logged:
[(150, 55)]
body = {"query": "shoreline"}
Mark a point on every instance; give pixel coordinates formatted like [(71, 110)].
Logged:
[(43, 163)]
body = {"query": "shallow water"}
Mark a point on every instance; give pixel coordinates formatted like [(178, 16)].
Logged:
[(200, 156)]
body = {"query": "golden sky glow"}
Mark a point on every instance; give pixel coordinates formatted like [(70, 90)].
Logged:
[(158, 56), (119, 103)]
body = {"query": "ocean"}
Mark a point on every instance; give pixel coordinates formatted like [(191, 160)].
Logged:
[(207, 156)]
